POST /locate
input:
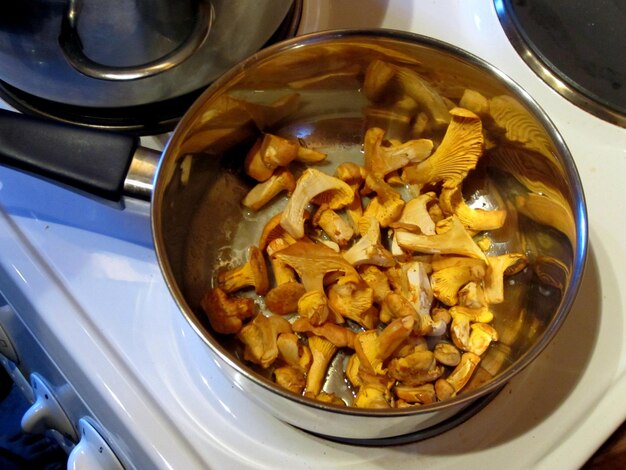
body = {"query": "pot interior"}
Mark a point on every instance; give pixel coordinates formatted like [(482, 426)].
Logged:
[(200, 226)]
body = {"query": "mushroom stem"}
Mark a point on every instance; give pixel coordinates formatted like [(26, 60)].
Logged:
[(322, 351), (393, 335), (459, 377)]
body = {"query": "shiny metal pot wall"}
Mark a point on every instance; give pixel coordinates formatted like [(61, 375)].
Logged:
[(108, 54), (198, 223), (315, 84)]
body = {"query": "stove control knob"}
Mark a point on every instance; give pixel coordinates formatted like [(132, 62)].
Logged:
[(46, 412), (92, 452)]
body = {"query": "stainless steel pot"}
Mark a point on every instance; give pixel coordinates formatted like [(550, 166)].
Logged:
[(198, 224), (108, 54)]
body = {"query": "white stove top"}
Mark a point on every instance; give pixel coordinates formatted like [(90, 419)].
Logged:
[(102, 309)]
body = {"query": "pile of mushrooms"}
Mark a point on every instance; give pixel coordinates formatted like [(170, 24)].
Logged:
[(383, 260)]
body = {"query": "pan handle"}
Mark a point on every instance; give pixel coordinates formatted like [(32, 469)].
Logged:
[(100, 163)]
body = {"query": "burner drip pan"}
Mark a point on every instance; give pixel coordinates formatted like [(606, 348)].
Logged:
[(576, 46)]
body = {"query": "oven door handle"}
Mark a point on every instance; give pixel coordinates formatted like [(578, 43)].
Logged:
[(100, 163)]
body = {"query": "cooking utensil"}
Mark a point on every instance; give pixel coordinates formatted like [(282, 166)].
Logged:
[(103, 54), (198, 224)]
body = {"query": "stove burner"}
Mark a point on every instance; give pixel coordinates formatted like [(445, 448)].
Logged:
[(423, 434), (149, 119), (576, 46), (154, 118)]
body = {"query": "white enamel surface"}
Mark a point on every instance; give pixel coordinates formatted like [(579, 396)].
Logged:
[(105, 315)]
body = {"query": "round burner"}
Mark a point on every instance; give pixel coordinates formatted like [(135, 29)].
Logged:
[(576, 46), (148, 119)]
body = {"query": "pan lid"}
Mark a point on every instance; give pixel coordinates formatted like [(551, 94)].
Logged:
[(154, 117)]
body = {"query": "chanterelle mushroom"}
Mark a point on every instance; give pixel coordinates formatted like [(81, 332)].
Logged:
[(312, 262), (290, 378), (283, 298), (267, 154), (366, 347), (381, 160), (313, 305), (481, 337), (340, 336), (444, 390), (353, 301), (509, 263), (252, 274), (416, 286), (282, 273), (463, 371), (226, 315), (378, 281), (259, 337), (421, 394), (416, 368), (387, 205), (307, 155), (292, 352), (368, 249), (447, 282), (374, 348), (262, 193), (322, 351), (393, 335), (452, 202), (462, 318), (272, 230), (397, 306), (472, 295), (447, 354), (374, 391), (457, 154), (311, 183), (336, 227), (482, 314), (415, 214), (456, 240)]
